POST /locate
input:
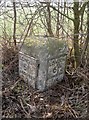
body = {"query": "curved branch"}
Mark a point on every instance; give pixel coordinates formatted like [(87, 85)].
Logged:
[(62, 13)]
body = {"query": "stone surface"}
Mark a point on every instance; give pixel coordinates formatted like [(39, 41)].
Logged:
[(42, 61)]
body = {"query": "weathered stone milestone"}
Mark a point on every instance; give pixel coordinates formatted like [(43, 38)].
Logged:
[(42, 61)]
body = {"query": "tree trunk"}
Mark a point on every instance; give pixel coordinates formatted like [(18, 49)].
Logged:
[(76, 34), (14, 30), (48, 20), (57, 27)]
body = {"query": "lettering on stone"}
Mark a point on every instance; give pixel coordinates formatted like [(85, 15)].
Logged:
[(27, 66), (55, 67)]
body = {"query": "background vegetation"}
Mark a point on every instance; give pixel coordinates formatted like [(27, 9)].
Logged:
[(63, 20)]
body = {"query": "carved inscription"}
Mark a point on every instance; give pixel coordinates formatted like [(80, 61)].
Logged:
[(27, 66), (56, 67)]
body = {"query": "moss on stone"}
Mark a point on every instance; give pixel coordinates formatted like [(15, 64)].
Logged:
[(49, 45)]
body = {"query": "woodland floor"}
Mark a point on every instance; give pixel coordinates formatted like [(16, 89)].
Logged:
[(67, 99)]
